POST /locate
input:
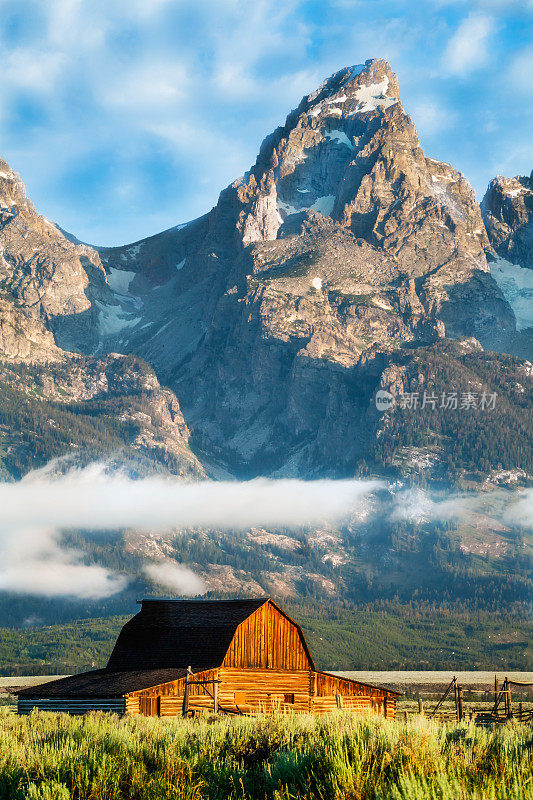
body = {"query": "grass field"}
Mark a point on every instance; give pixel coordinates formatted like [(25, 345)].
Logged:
[(98, 757)]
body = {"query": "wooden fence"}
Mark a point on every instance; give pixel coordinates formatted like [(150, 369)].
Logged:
[(503, 708)]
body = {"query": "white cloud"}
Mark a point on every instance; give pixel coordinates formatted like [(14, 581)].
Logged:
[(32, 561), (520, 71), (175, 577), (147, 86), (59, 579), (36, 510), (494, 5), (506, 507), (29, 68), (521, 512), (91, 499), (173, 97), (468, 47)]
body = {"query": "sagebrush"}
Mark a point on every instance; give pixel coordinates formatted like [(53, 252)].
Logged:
[(101, 757)]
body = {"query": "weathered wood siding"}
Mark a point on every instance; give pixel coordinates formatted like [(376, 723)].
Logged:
[(390, 707), (269, 639), (329, 692), (132, 704), (266, 690), (258, 690), (145, 701)]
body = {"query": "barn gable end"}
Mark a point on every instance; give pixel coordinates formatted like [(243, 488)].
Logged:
[(270, 639)]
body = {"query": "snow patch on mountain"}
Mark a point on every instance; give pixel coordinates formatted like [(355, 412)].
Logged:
[(373, 97), (288, 209), (113, 319), (340, 137), (120, 280), (516, 284), (324, 205)]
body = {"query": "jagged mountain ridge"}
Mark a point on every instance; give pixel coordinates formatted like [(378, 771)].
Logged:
[(43, 276), (507, 210), (342, 243), (275, 317)]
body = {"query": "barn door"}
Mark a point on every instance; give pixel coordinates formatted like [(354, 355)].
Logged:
[(150, 706)]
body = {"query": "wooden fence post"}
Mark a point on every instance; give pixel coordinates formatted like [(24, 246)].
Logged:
[(420, 706), (185, 707), (460, 703), (509, 699), (215, 694), (505, 698)]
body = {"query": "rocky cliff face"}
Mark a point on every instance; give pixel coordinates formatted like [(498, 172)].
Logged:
[(276, 316), (507, 210), (54, 295), (44, 277)]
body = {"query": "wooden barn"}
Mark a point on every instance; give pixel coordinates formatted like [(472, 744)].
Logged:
[(182, 656)]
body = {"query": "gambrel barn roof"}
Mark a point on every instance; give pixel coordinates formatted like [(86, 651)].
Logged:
[(184, 633)]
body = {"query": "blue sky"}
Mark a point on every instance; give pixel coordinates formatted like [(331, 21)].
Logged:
[(125, 117)]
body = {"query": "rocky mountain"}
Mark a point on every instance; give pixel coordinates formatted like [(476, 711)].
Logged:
[(326, 273), (44, 278), (81, 409), (56, 402), (507, 210), (275, 316), (254, 341)]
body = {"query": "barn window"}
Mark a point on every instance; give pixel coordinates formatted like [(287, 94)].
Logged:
[(289, 698), (240, 698)]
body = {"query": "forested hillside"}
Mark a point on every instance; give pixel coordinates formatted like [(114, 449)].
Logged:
[(375, 636)]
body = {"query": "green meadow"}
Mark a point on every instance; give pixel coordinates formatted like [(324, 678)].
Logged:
[(101, 757)]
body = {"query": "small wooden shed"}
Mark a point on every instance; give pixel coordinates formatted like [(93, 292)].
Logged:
[(235, 656)]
